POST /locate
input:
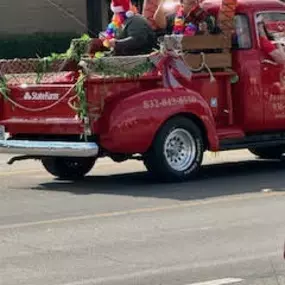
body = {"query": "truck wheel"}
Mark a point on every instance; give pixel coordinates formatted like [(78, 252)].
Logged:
[(68, 167), (177, 151), (267, 152)]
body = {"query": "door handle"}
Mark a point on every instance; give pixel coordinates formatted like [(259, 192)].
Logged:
[(269, 62)]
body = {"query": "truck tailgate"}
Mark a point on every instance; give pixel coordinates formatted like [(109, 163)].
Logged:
[(40, 108)]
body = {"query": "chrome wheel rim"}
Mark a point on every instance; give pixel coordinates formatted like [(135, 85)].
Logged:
[(180, 149)]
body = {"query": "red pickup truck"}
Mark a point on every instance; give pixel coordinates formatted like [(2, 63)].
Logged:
[(139, 118)]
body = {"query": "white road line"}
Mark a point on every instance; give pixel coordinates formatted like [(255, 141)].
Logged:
[(219, 281), (146, 273), (173, 269)]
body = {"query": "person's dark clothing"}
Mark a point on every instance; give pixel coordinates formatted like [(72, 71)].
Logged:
[(137, 37)]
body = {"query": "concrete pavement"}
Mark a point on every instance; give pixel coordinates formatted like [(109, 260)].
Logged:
[(119, 227)]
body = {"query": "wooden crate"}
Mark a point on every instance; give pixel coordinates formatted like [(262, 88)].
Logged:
[(213, 60), (216, 49), (205, 42)]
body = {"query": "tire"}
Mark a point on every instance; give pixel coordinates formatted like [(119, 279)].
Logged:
[(177, 151), (268, 152), (68, 168)]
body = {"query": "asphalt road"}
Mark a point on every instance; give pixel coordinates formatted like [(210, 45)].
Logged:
[(120, 227)]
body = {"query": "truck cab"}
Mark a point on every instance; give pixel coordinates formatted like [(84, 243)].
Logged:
[(258, 104), (258, 96), (235, 100)]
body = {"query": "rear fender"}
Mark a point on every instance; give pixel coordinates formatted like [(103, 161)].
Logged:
[(129, 125)]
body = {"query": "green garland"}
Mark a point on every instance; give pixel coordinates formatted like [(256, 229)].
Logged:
[(82, 109), (102, 68), (4, 90), (46, 63), (77, 49)]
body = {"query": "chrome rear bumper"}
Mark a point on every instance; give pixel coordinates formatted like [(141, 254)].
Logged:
[(49, 148)]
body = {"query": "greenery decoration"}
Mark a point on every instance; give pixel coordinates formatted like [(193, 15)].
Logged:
[(82, 109), (77, 49), (102, 68), (4, 90)]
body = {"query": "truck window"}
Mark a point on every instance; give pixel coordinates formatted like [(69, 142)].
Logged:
[(273, 16), (242, 36), (275, 25), (271, 35)]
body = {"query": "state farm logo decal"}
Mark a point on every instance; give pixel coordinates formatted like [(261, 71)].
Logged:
[(41, 96)]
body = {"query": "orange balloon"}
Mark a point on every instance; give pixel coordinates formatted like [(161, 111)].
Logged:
[(149, 8), (226, 14)]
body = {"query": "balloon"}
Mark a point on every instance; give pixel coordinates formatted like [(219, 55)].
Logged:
[(149, 9)]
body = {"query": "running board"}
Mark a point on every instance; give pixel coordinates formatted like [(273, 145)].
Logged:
[(262, 140)]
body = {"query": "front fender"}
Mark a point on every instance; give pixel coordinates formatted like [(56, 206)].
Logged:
[(129, 125)]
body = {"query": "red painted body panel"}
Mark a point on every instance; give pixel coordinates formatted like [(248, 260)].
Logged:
[(133, 115), (130, 125), (44, 115)]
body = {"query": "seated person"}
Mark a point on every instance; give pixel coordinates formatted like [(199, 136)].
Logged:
[(129, 33), (267, 44), (187, 11)]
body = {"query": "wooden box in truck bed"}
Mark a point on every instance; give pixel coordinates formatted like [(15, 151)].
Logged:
[(215, 49)]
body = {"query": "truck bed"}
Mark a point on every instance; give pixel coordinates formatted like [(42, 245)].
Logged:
[(46, 108)]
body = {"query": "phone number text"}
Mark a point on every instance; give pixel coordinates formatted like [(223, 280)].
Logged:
[(168, 102)]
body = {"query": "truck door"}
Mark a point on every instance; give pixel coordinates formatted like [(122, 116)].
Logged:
[(273, 73), (247, 94)]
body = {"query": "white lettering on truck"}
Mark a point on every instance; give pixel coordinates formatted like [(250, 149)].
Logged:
[(41, 96)]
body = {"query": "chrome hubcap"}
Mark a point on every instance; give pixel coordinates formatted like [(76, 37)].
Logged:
[(180, 149)]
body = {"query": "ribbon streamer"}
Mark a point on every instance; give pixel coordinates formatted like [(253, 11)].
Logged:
[(169, 61)]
